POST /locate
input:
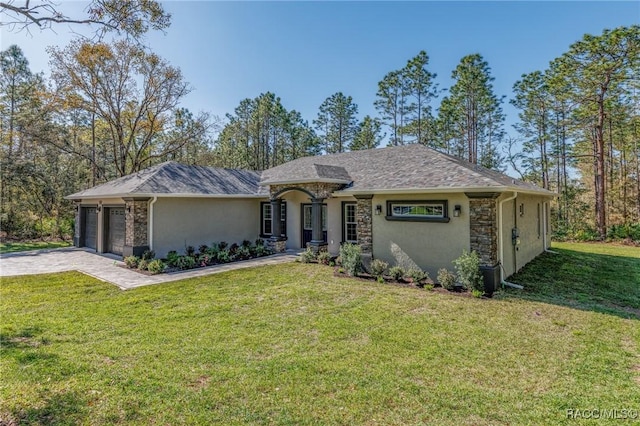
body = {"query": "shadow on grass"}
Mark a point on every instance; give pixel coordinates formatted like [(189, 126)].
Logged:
[(582, 280), (57, 408)]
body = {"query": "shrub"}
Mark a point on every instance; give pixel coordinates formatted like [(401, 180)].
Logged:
[(351, 258), (131, 261), (212, 252), (259, 242), (244, 252), (624, 231), (307, 256), (324, 257), (396, 273), (417, 275), (476, 293), (447, 279), (190, 250), (148, 255), (203, 249), (468, 269), (262, 250), (204, 260), (428, 287), (378, 267), (222, 245), (245, 243), (224, 256), (143, 264), (172, 258), (186, 262), (156, 266)]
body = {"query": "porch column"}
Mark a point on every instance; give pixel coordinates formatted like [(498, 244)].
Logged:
[(483, 227), (277, 242), (364, 227), (317, 239)]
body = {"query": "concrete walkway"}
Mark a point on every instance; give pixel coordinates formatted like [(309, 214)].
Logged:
[(109, 268)]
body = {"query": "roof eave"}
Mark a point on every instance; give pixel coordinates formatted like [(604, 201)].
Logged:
[(75, 197), (440, 190), (299, 181)]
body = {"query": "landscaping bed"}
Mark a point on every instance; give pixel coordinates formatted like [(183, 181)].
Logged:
[(216, 254)]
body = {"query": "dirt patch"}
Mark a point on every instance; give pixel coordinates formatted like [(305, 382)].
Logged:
[(200, 383)]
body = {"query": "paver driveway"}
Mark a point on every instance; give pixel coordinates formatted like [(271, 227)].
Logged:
[(109, 268)]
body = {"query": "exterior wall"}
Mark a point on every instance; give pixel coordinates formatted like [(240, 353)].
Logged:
[(182, 222), (531, 228), (334, 223), (430, 245)]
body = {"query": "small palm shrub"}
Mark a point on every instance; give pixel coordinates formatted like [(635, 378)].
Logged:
[(203, 249), (378, 267), (396, 273), (447, 279), (131, 261), (156, 266), (190, 250), (172, 258), (351, 256), (468, 269)]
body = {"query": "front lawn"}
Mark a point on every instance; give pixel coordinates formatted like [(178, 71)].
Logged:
[(31, 245), (291, 344)]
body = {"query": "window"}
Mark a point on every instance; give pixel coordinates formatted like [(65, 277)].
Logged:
[(349, 223), (424, 211), (307, 217), (266, 221)]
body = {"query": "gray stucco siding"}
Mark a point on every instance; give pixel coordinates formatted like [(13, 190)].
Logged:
[(182, 222), (431, 245)]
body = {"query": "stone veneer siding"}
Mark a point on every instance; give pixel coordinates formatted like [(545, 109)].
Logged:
[(318, 189), (78, 225), (364, 226), (483, 225), (136, 239)]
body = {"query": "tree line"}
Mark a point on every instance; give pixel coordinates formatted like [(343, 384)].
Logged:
[(112, 108)]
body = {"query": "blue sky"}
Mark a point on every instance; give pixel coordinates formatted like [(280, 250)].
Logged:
[(306, 51)]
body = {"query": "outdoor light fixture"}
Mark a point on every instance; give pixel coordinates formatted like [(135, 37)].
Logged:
[(457, 210), (379, 209), (128, 209), (99, 208)]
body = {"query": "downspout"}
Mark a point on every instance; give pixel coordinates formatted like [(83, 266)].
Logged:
[(151, 222), (544, 229), (500, 231)]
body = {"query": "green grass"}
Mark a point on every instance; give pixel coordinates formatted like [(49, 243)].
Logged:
[(598, 277), (31, 245), (291, 344)]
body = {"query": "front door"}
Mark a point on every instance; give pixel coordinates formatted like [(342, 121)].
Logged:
[(307, 227), (115, 230)]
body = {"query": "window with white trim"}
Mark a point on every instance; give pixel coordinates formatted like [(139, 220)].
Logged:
[(266, 221), (350, 225)]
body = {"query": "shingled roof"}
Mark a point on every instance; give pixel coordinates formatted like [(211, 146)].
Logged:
[(409, 168), (174, 180)]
